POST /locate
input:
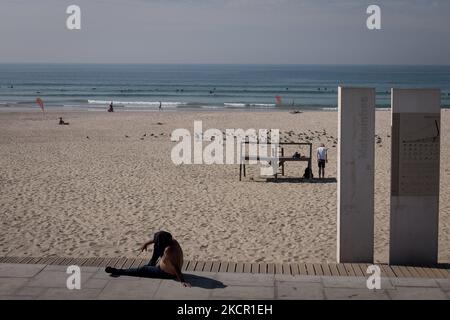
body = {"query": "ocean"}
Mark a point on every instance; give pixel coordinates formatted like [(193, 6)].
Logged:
[(246, 87)]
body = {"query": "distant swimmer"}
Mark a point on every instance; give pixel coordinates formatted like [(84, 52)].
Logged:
[(111, 107), (62, 122)]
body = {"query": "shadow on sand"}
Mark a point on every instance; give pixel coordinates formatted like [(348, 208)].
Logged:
[(300, 180)]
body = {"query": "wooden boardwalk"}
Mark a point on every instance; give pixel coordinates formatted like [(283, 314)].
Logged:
[(312, 269)]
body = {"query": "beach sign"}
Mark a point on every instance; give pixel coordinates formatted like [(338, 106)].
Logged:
[(356, 158), (415, 173)]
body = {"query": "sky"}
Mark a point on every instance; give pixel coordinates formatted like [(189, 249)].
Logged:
[(225, 32)]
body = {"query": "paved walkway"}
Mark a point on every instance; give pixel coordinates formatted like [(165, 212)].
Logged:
[(39, 281)]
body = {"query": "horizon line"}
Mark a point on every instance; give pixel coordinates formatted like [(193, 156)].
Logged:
[(220, 64)]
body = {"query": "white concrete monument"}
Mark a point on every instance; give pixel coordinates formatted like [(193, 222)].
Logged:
[(416, 124), (355, 216)]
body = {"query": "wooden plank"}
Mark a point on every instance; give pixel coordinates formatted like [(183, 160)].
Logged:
[(60, 261), (185, 265), (287, 269), (364, 267), (263, 267), (446, 272), (223, 266), (45, 260), (67, 262), (342, 270), (126, 265), (191, 266), (437, 273), (20, 260), (207, 267), (349, 269), (271, 268), (278, 268), (35, 260), (357, 269), (27, 260), (199, 266), (232, 267), (144, 262), (294, 268), (405, 271), (91, 260), (215, 266), (51, 260), (9, 259), (255, 268), (247, 268), (310, 269), (427, 272), (318, 269), (105, 262), (98, 262), (302, 269), (333, 269), (421, 272), (326, 269), (398, 272), (120, 263), (414, 272), (239, 267), (386, 271)]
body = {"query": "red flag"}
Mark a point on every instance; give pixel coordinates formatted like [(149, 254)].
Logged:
[(278, 98), (40, 103)]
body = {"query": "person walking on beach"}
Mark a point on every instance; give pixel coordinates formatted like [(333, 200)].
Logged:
[(170, 255), (322, 158), (111, 108)]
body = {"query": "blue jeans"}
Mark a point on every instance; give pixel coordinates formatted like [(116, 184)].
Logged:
[(146, 271)]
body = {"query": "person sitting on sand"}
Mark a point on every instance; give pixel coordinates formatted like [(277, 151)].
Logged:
[(322, 158), (168, 251), (61, 122), (111, 108)]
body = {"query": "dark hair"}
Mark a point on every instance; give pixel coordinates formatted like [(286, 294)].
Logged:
[(162, 240)]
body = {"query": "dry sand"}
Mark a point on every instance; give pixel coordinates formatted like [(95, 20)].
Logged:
[(68, 195)]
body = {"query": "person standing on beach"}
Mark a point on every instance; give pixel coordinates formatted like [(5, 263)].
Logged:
[(160, 105), (322, 158), (111, 108), (168, 251)]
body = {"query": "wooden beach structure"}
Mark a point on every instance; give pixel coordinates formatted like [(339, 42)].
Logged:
[(281, 158)]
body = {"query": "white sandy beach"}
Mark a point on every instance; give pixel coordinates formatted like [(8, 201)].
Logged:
[(68, 195)]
